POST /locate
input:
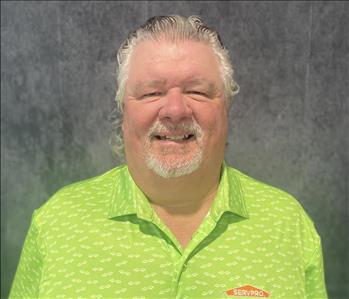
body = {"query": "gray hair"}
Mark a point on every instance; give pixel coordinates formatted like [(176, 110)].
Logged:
[(172, 28)]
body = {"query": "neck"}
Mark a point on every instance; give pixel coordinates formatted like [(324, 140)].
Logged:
[(183, 202), (182, 195)]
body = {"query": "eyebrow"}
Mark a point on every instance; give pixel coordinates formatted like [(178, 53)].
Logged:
[(211, 86), (140, 86)]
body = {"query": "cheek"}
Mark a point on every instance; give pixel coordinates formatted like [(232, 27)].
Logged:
[(136, 120), (213, 120), (130, 126)]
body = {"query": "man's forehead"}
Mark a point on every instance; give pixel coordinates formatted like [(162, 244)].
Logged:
[(153, 67), (151, 49), (164, 83)]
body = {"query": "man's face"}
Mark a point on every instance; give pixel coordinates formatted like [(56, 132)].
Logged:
[(175, 115)]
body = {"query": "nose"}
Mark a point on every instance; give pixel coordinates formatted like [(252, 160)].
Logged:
[(175, 107)]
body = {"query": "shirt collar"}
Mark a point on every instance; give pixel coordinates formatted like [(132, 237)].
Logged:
[(229, 197), (128, 199)]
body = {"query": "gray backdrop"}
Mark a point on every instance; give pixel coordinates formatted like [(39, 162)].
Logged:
[(288, 125)]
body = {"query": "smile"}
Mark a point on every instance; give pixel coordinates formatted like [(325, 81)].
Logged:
[(174, 137)]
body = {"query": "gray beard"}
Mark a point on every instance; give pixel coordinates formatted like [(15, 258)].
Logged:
[(174, 169), (167, 167)]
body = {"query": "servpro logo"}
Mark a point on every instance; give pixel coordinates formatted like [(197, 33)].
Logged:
[(247, 291)]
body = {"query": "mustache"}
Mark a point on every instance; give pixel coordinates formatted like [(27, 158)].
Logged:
[(192, 128)]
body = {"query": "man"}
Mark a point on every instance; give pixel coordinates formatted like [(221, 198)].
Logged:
[(175, 222)]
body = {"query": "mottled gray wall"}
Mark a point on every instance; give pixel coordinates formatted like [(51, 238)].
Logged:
[(288, 124)]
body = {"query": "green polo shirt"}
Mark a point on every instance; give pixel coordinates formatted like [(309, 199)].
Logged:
[(100, 238)]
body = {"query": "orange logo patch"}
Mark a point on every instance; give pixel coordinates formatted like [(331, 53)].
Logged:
[(247, 291)]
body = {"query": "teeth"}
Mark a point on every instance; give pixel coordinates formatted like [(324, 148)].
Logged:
[(174, 138), (182, 137)]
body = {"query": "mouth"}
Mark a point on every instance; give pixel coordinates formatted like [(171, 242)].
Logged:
[(177, 138)]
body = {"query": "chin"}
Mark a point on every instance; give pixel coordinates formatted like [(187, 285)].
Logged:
[(174, 167)]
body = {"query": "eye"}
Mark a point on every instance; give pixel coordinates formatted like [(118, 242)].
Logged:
[(196, 92), (151, 94)]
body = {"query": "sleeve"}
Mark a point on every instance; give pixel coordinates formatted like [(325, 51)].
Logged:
[(314, 277), (26, 283)]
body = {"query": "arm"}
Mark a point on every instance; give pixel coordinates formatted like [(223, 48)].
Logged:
[(27, 279), (314, 276)]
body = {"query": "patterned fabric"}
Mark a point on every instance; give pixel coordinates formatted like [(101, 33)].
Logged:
[(100, 238)]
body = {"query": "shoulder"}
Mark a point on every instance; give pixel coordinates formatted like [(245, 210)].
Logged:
[(279, 217), (93, 192), (274, 206), (257, 192)]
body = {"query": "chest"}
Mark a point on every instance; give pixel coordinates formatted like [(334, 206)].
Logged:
[(130, 260)]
